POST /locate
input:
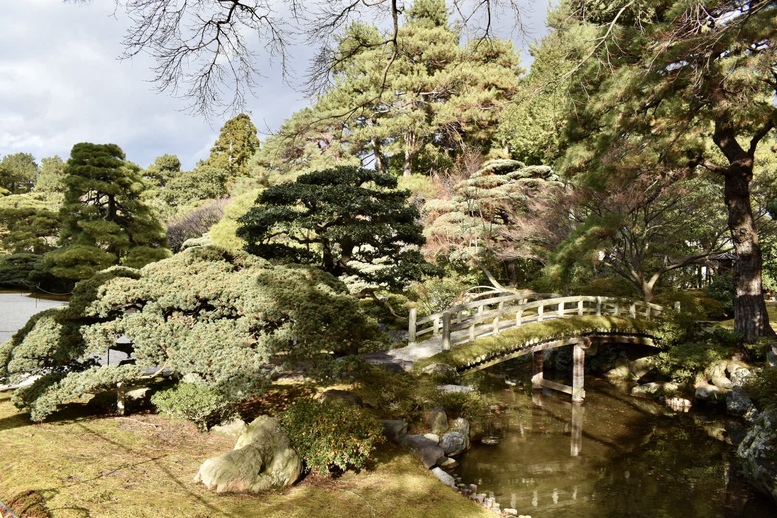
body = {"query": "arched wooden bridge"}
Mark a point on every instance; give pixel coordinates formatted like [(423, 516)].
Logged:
[(491, 330)]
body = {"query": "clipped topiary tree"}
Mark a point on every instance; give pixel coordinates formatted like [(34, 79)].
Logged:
[(348, 221), (228, 319)]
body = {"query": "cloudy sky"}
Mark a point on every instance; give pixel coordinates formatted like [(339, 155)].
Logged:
[(61, 83)]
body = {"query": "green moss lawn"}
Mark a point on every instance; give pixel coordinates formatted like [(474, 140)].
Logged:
[(143, 465)]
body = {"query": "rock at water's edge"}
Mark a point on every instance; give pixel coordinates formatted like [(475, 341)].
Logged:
[(758, 453)]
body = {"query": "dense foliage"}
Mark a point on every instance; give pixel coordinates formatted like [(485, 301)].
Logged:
[(228, 319), (333, 435), (348, 221), (104, 220)]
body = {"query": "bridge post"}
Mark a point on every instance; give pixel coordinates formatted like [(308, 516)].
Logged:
[(537, 369), (598, 306), (578, 370), (446, 331), (576, 442), (412, 319)]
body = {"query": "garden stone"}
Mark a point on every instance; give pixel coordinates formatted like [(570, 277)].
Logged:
[(740, 376), (709, 393), (621, 369), (449, 464), (640, 367), (758, 451), (427, 451), (722, 382), (433, 437), (437, 421), (262, 459), (654, 387), (461, 425), (731, 368), (716, 370), (394, 429), (444, 477), (231, 428), (453, 443), (646, 388), (345, 396), (738, 403), (771, 356)]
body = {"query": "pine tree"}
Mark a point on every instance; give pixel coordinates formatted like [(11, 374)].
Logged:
[(348, 221), (236, 144), (104, 220)]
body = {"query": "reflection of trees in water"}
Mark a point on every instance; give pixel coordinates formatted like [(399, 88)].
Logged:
[(634, 458)]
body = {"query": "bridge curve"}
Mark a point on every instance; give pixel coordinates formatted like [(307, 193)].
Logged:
[(465, 323), (483, 333)]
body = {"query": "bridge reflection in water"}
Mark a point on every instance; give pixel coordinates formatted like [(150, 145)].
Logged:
[(615, 455)]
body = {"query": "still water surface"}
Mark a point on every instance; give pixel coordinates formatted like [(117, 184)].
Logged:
[(17, 307), (613, 456)]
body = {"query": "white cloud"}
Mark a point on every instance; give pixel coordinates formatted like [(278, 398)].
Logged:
[(61, 83)]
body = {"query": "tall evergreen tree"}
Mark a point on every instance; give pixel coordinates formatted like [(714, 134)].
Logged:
[(236, 144), (685, 85), (52, 175), (104, 220), (415, 106), (18, 173)]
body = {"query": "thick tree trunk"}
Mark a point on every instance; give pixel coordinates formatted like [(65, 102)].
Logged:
[(750, 316)]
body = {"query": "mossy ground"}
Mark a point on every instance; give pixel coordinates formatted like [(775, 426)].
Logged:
[(142, 465)]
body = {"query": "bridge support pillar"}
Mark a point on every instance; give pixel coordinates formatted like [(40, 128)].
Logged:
[(576, 443), (537, 369), (578, 371)]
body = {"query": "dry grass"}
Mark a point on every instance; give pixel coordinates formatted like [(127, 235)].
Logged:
[(143, 466)]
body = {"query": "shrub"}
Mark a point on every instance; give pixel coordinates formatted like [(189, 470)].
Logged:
[(198, 403), (683, 363), (722, 290), (763, 388), (472, 406), (227, 317), (332, 435), (394, 395)]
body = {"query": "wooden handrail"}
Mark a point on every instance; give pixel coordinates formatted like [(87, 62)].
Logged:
[(475, 315)]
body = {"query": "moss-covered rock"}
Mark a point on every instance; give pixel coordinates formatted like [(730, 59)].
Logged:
[(758, 453)]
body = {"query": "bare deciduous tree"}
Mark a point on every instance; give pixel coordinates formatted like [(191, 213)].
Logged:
[(209, 51)]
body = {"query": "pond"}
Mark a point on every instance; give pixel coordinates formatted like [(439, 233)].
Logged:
[(17, 307), (613, 456)]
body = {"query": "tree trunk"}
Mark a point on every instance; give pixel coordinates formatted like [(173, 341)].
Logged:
[(410, 151), (750, 316)]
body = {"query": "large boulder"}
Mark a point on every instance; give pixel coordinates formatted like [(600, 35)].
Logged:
[(461, 425), (758, 453), (262, 459), (424, 449), (436, 420), (453, 443), (394, 429), (738, 402)]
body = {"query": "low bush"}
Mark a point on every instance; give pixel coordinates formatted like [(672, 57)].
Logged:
[(763, 388), (201, 404), (472, 406), (331, 436), (685, 363)]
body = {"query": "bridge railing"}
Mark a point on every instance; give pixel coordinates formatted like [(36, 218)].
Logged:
[(466, 322)]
